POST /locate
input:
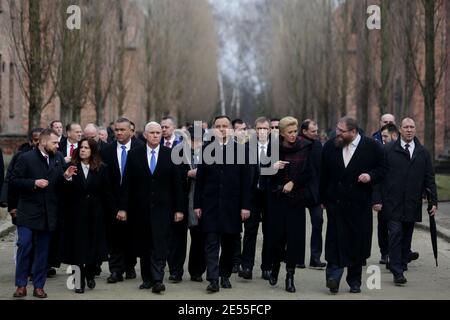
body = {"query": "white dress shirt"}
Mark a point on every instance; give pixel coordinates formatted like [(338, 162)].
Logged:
[(46, 157), (171, 140), (119, 152), (149, 154), (412, 146), (85, 168), (69, 145), (349, 151)]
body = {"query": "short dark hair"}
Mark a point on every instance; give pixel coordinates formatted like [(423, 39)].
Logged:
[(69, 126), (33, 131), (171, 119), (133, 125), (261, 120), (124, 120), (305, 124), (275, 119), (350, 123), (47, 133), (391, 128), (237, 121), (53, 123), (221, 117)]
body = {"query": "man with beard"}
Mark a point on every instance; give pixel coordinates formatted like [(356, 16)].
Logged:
[(351, 165), (36, 177)]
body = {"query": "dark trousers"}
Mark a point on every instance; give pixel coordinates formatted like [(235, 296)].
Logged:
[(216, 267), (354, 274), (121, 256), (177, 248), (237, 250), (400, 237), (316, 214), (287, 223), (154, 257), (41, 241), (383, 234), (87, 272), (251, 226), (197, 264)]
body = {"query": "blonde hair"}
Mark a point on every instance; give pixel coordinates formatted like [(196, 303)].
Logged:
[(287, 122)]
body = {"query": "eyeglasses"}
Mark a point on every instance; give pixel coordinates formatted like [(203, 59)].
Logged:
[(274, 127), (341, 130)]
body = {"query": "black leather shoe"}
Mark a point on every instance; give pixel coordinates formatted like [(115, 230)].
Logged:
[(213, 286), (274, 275), (333, 285), (196, 278), (158, 287), (91, 284), (236, 268), (290, 286), (225, 283), (146, 285), (355, 289), (131, 274), (413, 256), (400, 280), (384, 259), (317, 264), (300, 266), (79, 290), (247, 274), (265, 275), (114, 277), (175, 278), (51, 273), (98, 270)]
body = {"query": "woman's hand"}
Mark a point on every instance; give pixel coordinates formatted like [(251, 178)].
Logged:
[(279, 165), (70, 172), (288, 187)]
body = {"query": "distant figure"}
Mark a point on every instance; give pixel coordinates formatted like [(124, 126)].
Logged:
[(385, 119)]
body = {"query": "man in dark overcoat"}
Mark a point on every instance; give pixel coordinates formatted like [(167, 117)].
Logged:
[(351, 165), (222, 200), (410, 173), (151, 198)]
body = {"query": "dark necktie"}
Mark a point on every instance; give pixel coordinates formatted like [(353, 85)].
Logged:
[(407, 146)]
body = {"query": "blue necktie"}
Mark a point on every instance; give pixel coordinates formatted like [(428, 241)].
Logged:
[(123, 160), (153, 162)]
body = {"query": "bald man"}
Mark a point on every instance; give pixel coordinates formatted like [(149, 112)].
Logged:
[(151, 198), (91, 132), (385, 120), (410, 173)]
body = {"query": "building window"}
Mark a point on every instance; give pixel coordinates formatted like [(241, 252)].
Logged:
[(11, 91)]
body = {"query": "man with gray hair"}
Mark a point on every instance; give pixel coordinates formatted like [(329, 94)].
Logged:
[(91, 132), (151, 198)]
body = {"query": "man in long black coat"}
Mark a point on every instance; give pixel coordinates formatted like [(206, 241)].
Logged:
[(351, 164), (151, 198), (410, 173), (222, 200), (36, 177), (121, 256)]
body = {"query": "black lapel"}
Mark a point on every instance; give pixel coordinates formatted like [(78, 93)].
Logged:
[(114, 156), (356, 155), (144, 160)]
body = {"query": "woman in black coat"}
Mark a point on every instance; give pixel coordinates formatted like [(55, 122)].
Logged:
[(87, 201), (287, 196)]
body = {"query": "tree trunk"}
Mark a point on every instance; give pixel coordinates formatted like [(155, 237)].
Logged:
[(385, 58)]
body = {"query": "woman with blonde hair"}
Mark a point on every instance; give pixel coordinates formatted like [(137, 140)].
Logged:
[(286, 216)]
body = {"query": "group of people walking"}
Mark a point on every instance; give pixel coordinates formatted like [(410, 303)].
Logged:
[(79, 200)]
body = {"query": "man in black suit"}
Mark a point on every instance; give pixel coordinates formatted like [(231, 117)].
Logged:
[(222, 200), (67, 146), (36, 176), (309, 130), (121, 256), (259, 204), (152, 197), (351, 165), (57, 126), (410, 173)]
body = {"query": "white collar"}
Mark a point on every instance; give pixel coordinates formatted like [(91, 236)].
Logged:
[(127, 145), (403, 144), (356, 142), (171, 140), (263, 144), (149, 150)]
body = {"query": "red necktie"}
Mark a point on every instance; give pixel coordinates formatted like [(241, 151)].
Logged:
[(71, 149)]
